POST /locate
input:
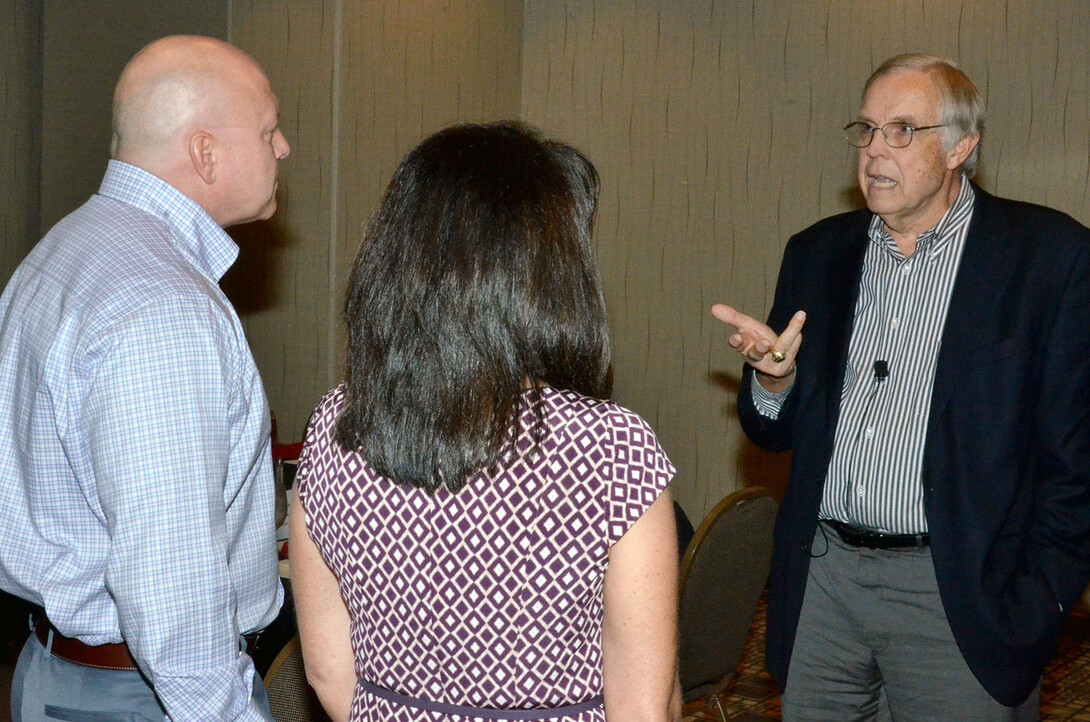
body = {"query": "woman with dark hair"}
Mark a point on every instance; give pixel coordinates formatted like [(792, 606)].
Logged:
[(478, 533)]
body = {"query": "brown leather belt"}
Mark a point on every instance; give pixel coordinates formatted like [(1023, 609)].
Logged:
[(102, 656)]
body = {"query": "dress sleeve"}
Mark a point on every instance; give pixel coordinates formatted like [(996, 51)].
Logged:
[(641, 471), (318, 441)]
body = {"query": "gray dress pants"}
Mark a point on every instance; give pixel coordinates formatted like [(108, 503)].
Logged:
[(873, 643), (48, 688)]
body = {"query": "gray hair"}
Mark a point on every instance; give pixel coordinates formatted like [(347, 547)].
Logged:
[(962, 107)]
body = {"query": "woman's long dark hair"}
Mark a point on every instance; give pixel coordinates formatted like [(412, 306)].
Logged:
[(476, 275)]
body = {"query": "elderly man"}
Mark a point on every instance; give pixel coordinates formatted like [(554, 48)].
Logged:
[(134, 431), (934, 531)]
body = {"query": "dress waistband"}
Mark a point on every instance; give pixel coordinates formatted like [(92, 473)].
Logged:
[(481, 712)]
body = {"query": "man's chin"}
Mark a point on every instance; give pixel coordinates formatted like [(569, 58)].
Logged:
[(267, 212), (264, 215), (877, 202)]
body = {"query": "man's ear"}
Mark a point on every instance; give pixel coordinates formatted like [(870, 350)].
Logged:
[(202, 154), (961, 151)]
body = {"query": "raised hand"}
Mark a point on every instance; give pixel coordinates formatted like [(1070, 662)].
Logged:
[(773, 355)]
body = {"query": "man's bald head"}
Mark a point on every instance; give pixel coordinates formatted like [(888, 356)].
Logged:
[(195, 112), (168, 88)]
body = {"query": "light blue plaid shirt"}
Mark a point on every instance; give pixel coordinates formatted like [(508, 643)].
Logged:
[(136, 490)]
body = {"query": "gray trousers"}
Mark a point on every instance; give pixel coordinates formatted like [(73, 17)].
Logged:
[(48, 688), (873, 643)]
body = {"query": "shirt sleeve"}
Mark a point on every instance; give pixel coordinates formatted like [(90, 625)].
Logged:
[(768, 403), (641, 471), (156, 424)]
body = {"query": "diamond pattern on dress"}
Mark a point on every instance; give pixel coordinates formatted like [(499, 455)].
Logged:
[(490, 597)]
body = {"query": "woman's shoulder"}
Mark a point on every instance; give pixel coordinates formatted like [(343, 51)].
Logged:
[(325, 414), (333, 400), (597, 413)]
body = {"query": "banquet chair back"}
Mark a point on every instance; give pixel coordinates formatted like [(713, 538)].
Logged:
[(723, 573), (291, 699)]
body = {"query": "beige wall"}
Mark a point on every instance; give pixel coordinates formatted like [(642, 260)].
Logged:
[(20, 117), (715, 126), (360, 83), (281, 284), (84, 47), (411, 68)]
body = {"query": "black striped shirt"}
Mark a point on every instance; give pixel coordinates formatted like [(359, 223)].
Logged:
[(874, 475)]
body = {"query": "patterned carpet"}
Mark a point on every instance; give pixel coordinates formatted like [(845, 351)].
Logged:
[(752, 696)]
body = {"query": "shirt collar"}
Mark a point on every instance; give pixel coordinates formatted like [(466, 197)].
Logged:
[(935, 240), (193, 232)]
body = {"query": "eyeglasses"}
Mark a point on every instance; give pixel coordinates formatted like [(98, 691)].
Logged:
[(897, 134)]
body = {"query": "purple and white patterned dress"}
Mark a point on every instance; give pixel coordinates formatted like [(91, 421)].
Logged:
[(491, 597)]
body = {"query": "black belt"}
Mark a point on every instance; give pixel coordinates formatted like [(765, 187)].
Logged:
[(867, 539)]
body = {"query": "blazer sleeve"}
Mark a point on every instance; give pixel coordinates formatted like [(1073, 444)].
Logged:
[(775, 434)]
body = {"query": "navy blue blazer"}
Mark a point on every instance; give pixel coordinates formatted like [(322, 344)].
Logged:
[(1006, 465)]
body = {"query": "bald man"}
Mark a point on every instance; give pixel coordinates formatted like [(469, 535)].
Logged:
[(136, 492)]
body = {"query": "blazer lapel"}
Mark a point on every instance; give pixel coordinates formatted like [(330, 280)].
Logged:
[(984, 272), (843, 288)]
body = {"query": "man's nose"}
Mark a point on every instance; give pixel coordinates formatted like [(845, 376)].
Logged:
[(878, 145), (280, 145)]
